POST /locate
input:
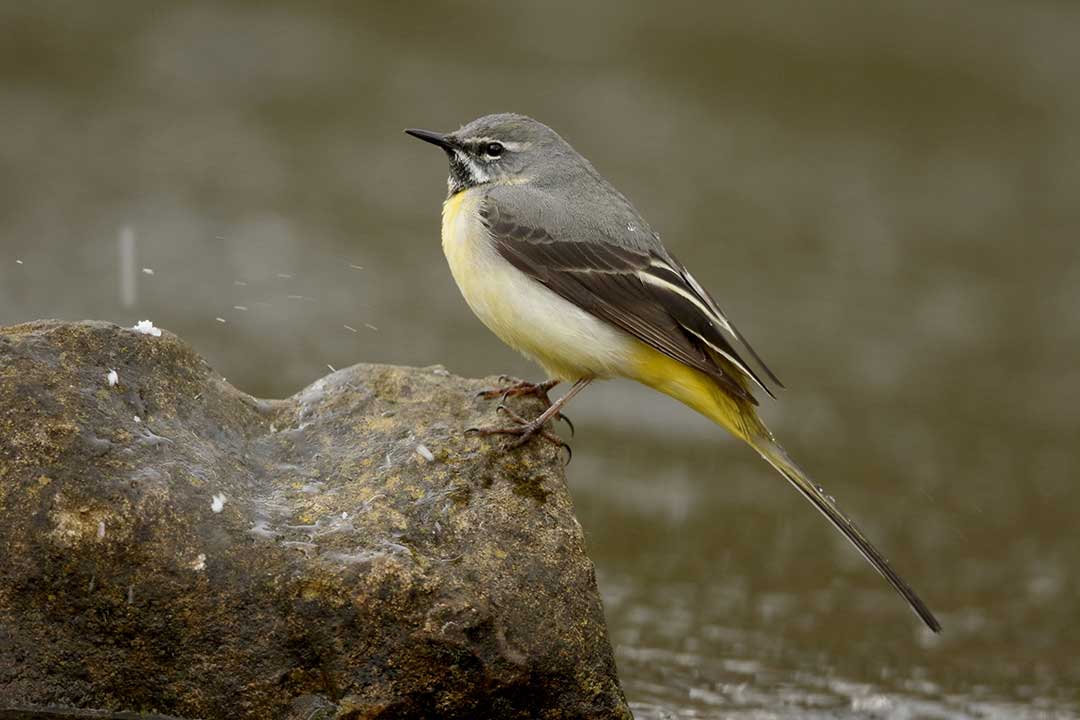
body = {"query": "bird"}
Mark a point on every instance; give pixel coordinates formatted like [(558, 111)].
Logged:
[(560, 266)]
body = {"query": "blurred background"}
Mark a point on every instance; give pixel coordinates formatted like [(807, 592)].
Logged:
[(885, 201)]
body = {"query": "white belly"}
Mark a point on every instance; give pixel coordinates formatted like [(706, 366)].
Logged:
[(567, 341)]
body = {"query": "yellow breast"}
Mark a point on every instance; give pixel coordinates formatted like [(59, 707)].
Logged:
[(468, 251), (457, 228), (569, 342)]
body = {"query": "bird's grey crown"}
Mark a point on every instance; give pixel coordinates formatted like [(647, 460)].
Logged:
[(508, 127)]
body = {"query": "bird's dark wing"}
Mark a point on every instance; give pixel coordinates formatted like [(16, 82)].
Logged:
[(641, 289)]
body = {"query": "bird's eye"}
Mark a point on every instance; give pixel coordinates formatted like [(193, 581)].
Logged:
[(493, 149)]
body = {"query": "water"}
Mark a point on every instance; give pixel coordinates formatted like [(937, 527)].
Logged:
[(884, 200)]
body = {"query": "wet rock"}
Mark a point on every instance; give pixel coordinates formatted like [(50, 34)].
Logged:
[(171, 545)]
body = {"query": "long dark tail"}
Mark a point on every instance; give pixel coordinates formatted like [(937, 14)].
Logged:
[(735, 412), (779, 459)]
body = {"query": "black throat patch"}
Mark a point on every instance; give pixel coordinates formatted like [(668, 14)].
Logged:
[(461, 175)]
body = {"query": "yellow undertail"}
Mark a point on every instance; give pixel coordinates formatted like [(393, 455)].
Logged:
[(738, 416), (699, 391)]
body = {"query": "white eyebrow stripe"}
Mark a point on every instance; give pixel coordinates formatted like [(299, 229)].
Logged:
[(706, 310)]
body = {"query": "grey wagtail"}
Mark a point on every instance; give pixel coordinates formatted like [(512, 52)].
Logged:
[(559, 264)]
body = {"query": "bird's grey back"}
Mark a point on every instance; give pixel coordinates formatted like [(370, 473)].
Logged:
[(563, 224), (564, 193)]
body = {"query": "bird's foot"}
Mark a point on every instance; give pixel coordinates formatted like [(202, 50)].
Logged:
[(524, 429), (520, 388), (517, 389)]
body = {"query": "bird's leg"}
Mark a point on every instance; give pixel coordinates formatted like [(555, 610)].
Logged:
[(525, 429), (539, 390)]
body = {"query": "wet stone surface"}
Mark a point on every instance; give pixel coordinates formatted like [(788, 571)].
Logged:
[(171, 545)]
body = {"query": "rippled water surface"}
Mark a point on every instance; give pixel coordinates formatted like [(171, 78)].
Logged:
[(884, 199)]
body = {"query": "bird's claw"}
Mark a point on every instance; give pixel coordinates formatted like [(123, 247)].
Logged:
[(540, 390), (524, 429), (518, 388)]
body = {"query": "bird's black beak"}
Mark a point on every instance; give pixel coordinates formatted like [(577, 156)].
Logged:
[(444, 141)]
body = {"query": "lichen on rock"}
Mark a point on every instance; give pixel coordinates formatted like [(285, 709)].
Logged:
[(171, 545)]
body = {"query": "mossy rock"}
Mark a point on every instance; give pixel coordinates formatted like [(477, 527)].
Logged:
[(171, 545)]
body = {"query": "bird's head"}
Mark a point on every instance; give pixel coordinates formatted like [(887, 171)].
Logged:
[(502, 148)]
